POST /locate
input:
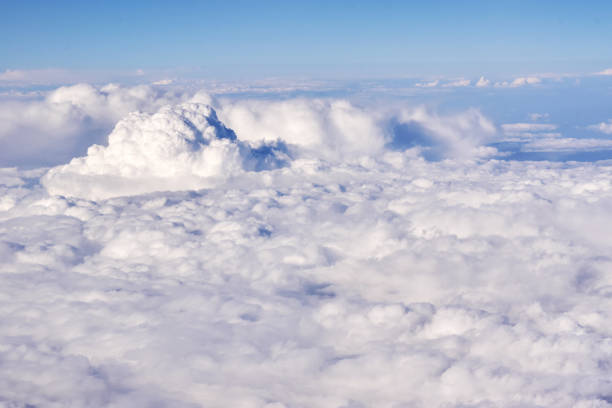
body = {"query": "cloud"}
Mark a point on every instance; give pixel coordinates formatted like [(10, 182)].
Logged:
[(163, 82), (522, 132), (482, 82), (459, 136), (528, 127), (431, 84), (49, 76), (64, 122), (450, 283), (178, 148), (186, 146), (336, 130), (457, 83), (557, 144), (605, 72), (12, 75), (604, 127), (518, 82), (538, 116), (333, 129), (286, 252)]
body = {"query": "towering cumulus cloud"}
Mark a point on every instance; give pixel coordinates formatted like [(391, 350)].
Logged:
[(178, 148), (329, 129)]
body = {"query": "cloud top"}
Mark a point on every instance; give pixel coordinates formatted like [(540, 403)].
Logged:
[(179, 147)]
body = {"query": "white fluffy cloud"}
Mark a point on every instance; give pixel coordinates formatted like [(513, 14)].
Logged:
[(178, 148), (604, 127), (482, 82), (405, 283), (186, 146), (459, 136), (328, 129), (457, 83), (518, 82), (67, 120)]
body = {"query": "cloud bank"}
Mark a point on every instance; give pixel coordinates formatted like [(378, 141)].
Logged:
[(301, 252), (404, 283)]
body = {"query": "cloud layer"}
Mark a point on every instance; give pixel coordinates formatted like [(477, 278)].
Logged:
[(301, 252), (403, 283)]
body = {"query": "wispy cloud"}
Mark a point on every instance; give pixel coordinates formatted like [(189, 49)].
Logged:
[(528, 127), (606, 72), (526, 132), (538, 116), (566, 144), (430, 84)]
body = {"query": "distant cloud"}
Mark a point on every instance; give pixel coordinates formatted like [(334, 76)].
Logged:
[(538, 116), (458, 83), (431, 84), (55, 76), (607, 72), (518, 82), (35, 76), (566, 144), (526, 132), (163, 82), (604, 127), (12, 75), (482, 82), (460, 136), (528, 127)]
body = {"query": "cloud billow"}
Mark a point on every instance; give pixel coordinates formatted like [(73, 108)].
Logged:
[(179, 147)]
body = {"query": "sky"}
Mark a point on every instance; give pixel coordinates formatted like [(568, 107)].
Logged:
[(315, 38)]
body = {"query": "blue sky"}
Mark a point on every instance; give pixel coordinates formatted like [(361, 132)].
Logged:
[(339, 38)]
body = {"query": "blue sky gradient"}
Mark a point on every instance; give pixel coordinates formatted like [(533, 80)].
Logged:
[(340, 38)]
